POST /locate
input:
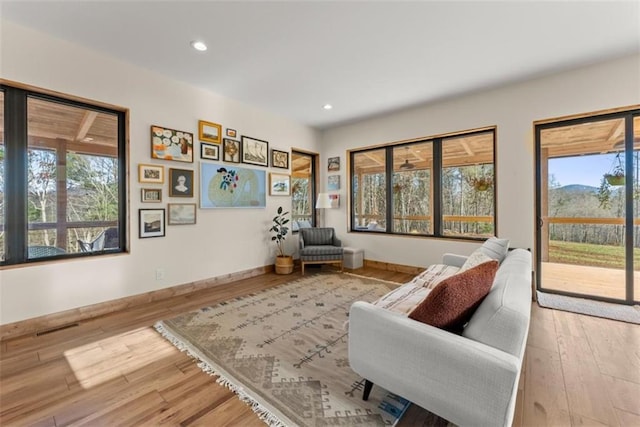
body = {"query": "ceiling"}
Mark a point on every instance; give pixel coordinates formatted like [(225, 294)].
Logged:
[(364, 57)]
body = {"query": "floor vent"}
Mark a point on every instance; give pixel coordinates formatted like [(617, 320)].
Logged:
[(56, 329)]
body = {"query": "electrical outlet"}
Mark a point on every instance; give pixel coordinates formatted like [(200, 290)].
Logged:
[(160, 274)]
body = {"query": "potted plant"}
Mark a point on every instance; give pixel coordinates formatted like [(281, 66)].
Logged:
[(482, 183), (284, 263), (616, 176)]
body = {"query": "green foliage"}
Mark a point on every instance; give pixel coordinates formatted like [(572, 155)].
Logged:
[(608, 256), (280, 229)]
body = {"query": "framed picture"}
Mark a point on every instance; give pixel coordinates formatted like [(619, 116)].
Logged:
[(255, 151), (209, 151), (170, 144), (151, 174), (334, 164), (182, 213), (231, 150), (226, 186), (209, 132), (180, 183), (231, 133), (333, 182), (151, 195), (279, 184), (280, 159), (335, 200), (151, 223)]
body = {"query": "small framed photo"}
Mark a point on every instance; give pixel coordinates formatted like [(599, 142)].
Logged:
[(333, 182), (209, 132), (255, 151), (171, 144), (151, 223), (280, 159), (279, 184), (231, 150), (334, 164), (182, 213), (180, 183), (209, 151), (151, 174), (151, 195), (231, 133)]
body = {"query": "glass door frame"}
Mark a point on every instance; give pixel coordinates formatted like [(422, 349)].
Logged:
[(628, 114)]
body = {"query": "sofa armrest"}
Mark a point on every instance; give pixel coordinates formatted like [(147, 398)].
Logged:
[(336, 241), (301, 241), (454, 260), (461, 380)]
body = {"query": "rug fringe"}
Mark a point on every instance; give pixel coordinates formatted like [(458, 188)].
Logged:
[(262, 412)]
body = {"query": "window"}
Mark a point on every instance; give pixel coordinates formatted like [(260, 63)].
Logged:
[(303, 189), (440, 186), (66, 162)]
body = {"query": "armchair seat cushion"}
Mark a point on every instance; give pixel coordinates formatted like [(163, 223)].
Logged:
[(322, 250)]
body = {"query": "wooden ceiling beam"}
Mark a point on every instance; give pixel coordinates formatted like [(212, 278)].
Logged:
[(85, 124), (466, 147)]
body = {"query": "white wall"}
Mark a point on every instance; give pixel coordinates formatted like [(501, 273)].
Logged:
[(513, 109), (222, 241)]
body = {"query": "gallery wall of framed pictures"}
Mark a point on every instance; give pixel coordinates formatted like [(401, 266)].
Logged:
[(220, 180)]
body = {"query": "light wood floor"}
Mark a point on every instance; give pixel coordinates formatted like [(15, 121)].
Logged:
[(116, 370)]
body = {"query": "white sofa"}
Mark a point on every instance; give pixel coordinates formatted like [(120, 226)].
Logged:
[(469, 379)]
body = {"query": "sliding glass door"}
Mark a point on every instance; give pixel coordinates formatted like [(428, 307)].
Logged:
[(588, 190)]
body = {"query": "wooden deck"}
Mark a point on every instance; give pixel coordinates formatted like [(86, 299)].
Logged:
[(597, 281)]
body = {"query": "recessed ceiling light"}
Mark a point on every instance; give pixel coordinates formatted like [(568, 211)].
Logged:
[(199, 46), (327, 106)]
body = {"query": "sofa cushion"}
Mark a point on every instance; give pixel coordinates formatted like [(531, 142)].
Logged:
[(451, 304), (476, 258), (502, 320), (495, 248)]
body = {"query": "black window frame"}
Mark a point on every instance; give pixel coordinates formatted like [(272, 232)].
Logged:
[(16, 143), (313, 181), (437, 143)]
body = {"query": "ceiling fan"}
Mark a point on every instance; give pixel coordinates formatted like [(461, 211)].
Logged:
[(406, 165)]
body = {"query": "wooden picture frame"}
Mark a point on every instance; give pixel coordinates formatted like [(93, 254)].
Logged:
[(151, 195), (181, 213), (209, 132), (232, 133), (255, 151), (333, 182), (231, 150), (171, 144), (151, 223), (151, 174), (180, 183), (280, 159), (209, 151), (279, 184), (333, 164)]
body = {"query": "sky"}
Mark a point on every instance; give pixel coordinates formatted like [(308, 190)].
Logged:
[(585, 170)]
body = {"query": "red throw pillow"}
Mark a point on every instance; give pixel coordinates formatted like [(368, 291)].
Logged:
[(451, 304)]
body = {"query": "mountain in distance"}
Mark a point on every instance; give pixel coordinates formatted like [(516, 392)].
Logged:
[(577, 188)]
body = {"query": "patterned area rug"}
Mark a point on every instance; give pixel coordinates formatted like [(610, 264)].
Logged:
[(284, 351)]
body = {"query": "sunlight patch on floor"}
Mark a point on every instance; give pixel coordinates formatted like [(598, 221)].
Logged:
[(117, 356)]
